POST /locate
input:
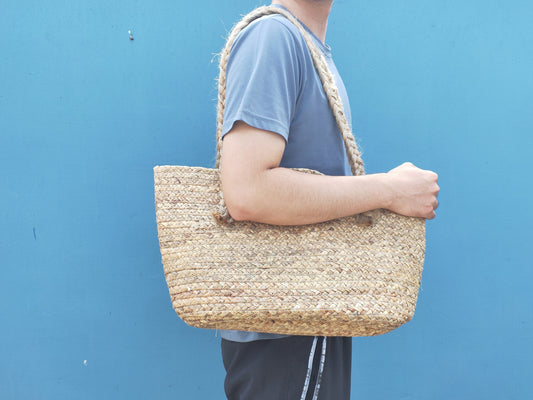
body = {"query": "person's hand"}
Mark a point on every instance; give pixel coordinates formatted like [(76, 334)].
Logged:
[(414, 191)]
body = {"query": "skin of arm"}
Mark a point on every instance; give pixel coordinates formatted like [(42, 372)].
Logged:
[(256, 189)]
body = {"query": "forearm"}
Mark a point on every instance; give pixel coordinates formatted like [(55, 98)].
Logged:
[(286, 197)]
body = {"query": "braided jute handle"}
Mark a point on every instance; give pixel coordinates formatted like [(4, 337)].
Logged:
[(326, 77)]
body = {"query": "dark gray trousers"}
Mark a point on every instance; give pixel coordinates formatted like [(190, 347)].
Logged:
[(292, 368)]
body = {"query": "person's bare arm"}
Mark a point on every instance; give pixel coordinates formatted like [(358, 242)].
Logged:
[(255, 188)]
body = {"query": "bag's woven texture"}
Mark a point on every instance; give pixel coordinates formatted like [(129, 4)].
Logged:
[(355, 276)]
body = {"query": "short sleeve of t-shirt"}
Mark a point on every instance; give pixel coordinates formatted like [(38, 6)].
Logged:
[(263, 77)]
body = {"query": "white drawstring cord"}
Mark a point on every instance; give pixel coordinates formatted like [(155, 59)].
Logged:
[(320, 369), (309, 369)]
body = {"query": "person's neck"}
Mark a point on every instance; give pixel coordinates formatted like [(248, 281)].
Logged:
[(313, 14)]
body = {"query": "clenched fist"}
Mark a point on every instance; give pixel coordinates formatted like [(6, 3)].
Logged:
[(414, 191)]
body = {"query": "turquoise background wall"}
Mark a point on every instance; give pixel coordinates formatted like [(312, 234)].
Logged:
[(85, 113)]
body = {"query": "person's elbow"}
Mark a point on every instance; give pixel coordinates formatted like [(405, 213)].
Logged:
[(240, 202)]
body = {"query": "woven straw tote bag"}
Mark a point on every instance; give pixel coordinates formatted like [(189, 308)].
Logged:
[(354, 276)]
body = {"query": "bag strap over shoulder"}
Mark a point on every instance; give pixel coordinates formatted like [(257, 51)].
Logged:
[(328, 83)]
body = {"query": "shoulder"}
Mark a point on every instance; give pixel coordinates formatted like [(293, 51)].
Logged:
[(276, 23), (275, 30)]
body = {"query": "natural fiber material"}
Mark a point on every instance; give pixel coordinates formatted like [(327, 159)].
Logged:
[(353, 276), (338, 278)]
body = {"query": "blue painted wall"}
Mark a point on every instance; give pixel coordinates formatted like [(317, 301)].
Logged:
[(85, 113)]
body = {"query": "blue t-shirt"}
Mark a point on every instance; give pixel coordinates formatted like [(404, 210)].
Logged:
[(272, 84)]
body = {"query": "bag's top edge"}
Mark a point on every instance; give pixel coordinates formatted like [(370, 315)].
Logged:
[(167, 167)]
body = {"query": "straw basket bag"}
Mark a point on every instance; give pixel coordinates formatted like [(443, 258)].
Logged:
[(355, 276)]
